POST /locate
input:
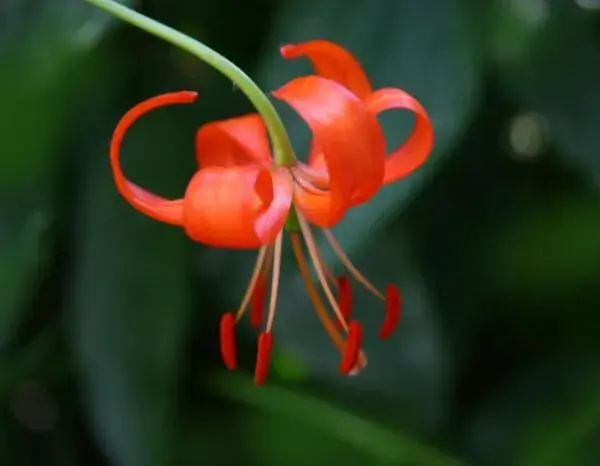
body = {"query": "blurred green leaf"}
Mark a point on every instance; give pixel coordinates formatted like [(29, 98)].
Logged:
[(292, 416), (25, 248), (548, 416), (550, 247), (400, 43), (44, 58), (276, 439), (37, 359), (130, 296), (557, 76)]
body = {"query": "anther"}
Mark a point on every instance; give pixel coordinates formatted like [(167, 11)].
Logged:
[(263, 357), (392, 312), (352, 347), (344, 299), (228, 350)]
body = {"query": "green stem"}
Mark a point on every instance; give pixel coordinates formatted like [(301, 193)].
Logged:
[(292, 225), (282, 148)]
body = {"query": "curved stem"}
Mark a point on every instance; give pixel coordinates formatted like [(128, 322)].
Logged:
[(282, 148)]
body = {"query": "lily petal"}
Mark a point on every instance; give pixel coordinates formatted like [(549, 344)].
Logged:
[(235, 141), (350, 138), (415, 150), (240, 207), (156, 207), (332, 62)]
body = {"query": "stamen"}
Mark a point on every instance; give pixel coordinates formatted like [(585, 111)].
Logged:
[(360, 364), (257, 303), (319, 306), (328, 273), (263, 358), (359, 277), (275, 281), (252, 284), (352, 349), (305, 184), (392, 312), (228, 349), (314, 255), (344, 298), (314, 177)]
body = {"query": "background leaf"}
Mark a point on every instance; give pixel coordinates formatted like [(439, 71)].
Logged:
[(565, 38), (127, 322), (46, 70), (558, 416), (109, 348)]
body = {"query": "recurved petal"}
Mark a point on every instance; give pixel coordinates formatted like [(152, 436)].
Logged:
[(413, 152), (235, 141), (156, 207), (332, 62), (238, 207), (350, 138)]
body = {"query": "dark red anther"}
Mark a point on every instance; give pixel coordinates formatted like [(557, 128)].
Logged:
[(257, 303), (228, 351), (392, 312), (352, 347), (344, 299), (263, 357)]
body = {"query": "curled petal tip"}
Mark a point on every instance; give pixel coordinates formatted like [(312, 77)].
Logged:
[(191, 95), (156, 207), (287, 50)]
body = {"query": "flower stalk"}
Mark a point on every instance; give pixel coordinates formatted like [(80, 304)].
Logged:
[(283, 152)]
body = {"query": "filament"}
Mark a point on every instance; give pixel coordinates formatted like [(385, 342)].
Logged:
[(312, 250), (359, 277), (314, 295), (252, 284), (275, 280)]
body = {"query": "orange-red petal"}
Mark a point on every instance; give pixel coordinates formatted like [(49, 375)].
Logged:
[(235, 141), (156, 207), (414, 151), (239, 207), (332, 62), (352, 142)]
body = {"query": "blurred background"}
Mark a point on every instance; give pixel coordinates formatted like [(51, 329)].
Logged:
[(109, 321)]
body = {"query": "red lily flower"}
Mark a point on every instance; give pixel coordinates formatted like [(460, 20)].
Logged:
[(240, 199)]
